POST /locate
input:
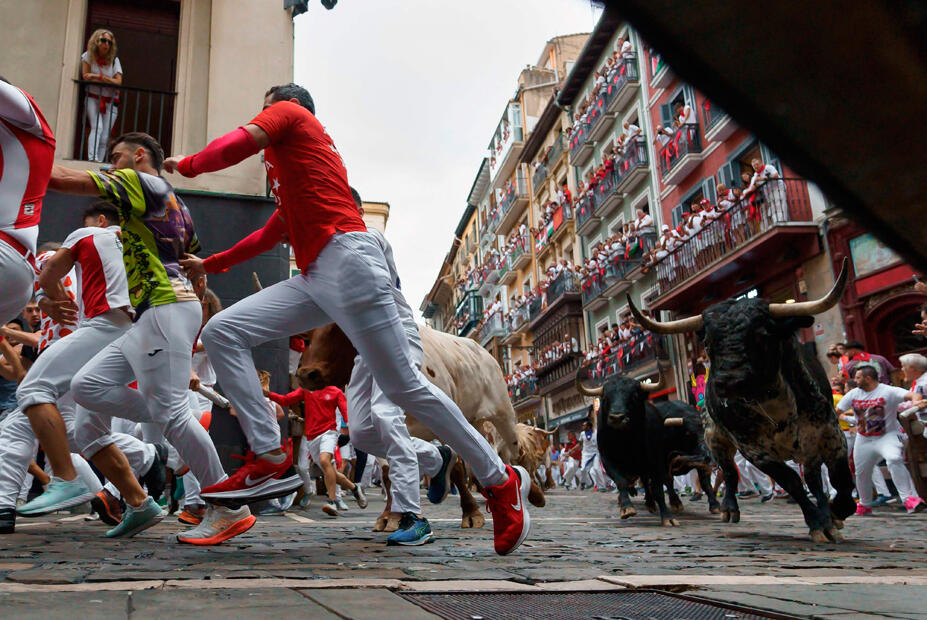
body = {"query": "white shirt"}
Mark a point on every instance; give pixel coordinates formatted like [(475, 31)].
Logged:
[(876, 411), (98, 262), (590, 444), (110, 70), (688, 115)]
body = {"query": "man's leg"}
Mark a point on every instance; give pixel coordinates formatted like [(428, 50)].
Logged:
[(17, 277), (17, 449), (865, 456), (892, 450)]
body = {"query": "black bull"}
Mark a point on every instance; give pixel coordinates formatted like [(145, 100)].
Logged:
[(772, 400), (641, 441)]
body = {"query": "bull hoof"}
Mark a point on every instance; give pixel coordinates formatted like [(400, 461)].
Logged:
[(833, 535), (380, 525), (392, 523), (735, 516), (676, 507), (652, 509), (475, 520), (536, 496), (838, 523), (670, 523), (628, 512), (726, 516), (818, 536), (715, 510)]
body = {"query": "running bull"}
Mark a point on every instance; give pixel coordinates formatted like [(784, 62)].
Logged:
[(771, 398), (651, 443), (464, 370)]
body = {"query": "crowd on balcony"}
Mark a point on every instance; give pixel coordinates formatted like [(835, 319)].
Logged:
[(556, 351), (501, 140), (763, 198), (518, 304), (611, 157), (617, 348), (668, 138), (624, 245), (548, 212), (522, 382), (615, 64)]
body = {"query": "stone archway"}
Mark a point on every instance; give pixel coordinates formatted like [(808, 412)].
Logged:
[(889, 321)]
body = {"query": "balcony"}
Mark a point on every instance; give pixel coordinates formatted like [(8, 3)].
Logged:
[(523, 391), (513, 203), (770, 232), (489, 279), (642, 350), (539, 176), (599, 118), (624, 85), (519, 320), (504, 157), (558, 375), (564, 287), (561, 222), (606, 198), (490, 329), (556, 150), (632, 168), (580, 146), (718, 125), (634, 264), (468, 313), (136, 109), (681, 154), (586, 220)]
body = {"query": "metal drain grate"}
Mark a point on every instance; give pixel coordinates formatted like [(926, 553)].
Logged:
[(613, 605)]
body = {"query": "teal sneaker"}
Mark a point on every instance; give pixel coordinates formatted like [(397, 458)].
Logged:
[(134, 520), (441, 481), (413, 531), (58, 495)]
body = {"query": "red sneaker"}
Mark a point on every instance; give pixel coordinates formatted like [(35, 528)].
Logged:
[(258, 479), (508, 505)]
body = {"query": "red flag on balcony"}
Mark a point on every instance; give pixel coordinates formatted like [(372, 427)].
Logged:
[(557, 220)]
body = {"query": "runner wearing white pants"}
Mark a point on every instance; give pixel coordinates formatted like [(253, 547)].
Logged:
[(344, 280), (18, 276)]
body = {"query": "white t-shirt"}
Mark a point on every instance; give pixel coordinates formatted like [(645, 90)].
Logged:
[(590, 444), (109, 71), (97, 254), (876, 411)]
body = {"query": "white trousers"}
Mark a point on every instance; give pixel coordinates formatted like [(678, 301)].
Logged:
[(348, 284), (592, 471), (569, 472), (18, 446), (16, 278), (878, 480), (156, 351), (752, 475), (302, 466), (378, 427), (101, 125), (870, 450)]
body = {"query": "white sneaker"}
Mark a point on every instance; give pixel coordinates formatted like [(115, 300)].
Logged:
[(342, 507), (219, 524), (330, 508)]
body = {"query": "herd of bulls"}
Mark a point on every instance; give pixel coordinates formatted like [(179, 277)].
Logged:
[(765, 396)]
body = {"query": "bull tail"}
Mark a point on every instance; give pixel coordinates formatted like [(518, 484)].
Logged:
[(256, 281), (682, 463)]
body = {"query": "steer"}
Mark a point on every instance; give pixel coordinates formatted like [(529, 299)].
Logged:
[(460, 367), (771, 398), (639, 441)]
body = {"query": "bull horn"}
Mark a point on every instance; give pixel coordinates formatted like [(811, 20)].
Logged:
[(673, 422), (681, 326), (588, 391), (810, 308), (257, 282), (551, 431), (651, 388)]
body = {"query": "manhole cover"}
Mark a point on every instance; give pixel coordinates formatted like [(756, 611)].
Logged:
[(615, 605)]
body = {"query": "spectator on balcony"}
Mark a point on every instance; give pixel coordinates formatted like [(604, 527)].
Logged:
[(630, 132), (685, 114), (99, 64), (626, 49), (772, 194)]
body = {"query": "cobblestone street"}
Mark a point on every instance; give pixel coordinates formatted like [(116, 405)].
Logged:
[(766, 560)]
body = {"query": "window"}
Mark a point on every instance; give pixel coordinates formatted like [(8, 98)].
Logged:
[(616, 224), (677, 215)]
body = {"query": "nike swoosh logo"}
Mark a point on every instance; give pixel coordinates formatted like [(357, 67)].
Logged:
[(155, 352), (251, 482), (517, 504)]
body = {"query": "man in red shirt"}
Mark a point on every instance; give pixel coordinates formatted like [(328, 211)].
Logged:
[(322, 437), (344, 280)]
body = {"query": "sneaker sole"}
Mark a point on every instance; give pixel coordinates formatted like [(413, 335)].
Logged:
[(331, 512), (189, 520), (141, 528), (447, 479), (523, 489), (69, 503), (430, 538), (269, 489), (239, 527), (102, 509)]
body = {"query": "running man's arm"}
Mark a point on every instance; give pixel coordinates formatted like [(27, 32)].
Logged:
[(56, 303), (258, 242), (11, 367), (342, 404), (221, 153), (287, 399), (15, 107), (70, 181)]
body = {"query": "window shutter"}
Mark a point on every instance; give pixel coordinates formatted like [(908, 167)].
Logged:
[(770, 158), (666, 115), (708, 190), (689, 94), (677, 214)]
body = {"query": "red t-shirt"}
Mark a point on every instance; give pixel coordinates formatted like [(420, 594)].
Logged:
[(318, 407), (307, 178)]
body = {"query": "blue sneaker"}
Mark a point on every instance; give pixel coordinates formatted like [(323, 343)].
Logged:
[(441, 481), (413, 531), (880, 500), (58, 495), (134, 520)]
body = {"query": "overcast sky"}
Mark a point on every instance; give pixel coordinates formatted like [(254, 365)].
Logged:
[(411, 92)]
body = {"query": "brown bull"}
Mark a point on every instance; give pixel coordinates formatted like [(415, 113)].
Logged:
[(461, 368)]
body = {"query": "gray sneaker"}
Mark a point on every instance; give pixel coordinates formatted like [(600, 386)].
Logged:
[(134, 520), (359, 496), (342, 507)]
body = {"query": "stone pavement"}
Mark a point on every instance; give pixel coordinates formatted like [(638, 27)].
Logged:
[(339, 567)]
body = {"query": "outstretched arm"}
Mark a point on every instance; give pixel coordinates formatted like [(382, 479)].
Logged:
[(69, 181), (225, 151), (256, 243), (287, 399)]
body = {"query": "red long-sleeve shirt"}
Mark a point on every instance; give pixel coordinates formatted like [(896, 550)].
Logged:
[(319, 407), (258, 242)]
